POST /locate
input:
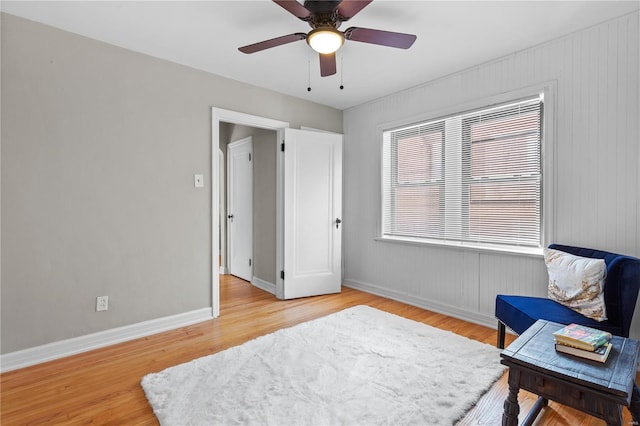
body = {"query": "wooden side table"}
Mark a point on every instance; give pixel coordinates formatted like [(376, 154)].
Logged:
[(598, 389)]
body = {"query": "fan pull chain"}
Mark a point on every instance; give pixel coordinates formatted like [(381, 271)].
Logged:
[(341, 68), (308, 75)]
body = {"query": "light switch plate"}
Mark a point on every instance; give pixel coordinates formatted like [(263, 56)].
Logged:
[(198, 181)]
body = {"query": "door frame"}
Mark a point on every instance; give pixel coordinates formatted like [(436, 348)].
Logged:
[(227, 116)]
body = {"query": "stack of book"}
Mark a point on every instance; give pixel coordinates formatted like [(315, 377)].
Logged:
[(584, 342)]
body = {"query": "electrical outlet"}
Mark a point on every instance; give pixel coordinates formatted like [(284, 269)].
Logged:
[(102, 303)]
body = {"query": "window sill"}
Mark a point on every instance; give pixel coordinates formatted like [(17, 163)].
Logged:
[(487, 248)]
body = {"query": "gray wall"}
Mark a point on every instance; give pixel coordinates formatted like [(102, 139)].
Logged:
[(596, 181), (99, 148)]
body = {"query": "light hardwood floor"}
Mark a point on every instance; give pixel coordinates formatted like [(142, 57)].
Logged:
[(103, 386)]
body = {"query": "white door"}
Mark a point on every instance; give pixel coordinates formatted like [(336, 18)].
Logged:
[(240, 208), (312, 213)]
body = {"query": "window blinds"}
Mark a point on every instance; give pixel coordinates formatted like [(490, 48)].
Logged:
[(472, 177)]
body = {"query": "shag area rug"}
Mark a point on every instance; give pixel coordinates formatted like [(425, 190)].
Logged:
[(360, 366)]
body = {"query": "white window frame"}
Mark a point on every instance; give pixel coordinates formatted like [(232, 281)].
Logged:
[(548, 168)]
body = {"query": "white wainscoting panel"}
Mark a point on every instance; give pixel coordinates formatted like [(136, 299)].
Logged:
[(595, 186)]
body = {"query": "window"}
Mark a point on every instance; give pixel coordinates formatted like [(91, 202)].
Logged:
[(467, 178)]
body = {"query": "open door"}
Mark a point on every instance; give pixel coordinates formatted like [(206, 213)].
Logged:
[(240, 208), (312, 214)]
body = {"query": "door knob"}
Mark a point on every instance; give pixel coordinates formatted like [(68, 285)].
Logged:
[(338, 222), (230, 217)]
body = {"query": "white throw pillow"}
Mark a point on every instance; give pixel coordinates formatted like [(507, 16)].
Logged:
[(577, 282)]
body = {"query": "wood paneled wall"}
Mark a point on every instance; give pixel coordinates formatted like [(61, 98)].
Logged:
[(595, 186)]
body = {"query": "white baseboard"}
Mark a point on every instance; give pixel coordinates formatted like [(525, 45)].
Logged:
[(264, 285), (224, 270), (442, 308), (50, 351)]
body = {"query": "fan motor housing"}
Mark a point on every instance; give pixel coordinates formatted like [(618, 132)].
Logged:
[(316, 7), (323, 14)]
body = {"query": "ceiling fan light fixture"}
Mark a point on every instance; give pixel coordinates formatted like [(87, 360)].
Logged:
[(325, 40)]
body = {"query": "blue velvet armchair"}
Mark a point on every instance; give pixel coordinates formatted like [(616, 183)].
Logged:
[(620, 293)]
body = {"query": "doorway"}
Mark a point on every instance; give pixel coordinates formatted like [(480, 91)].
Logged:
[(264, 163), (219, 117), (308, 197)]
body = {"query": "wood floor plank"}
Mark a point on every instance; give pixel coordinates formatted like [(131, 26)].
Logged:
[(103, 386)]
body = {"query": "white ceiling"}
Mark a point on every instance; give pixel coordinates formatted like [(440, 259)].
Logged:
[(452, 35)]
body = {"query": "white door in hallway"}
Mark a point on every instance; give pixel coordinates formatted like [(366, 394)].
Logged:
[(240, 208), (312, 213)]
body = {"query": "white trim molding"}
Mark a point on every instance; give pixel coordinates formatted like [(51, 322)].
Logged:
[(441, 308), (222, 115), (264, 285), (55, 350)]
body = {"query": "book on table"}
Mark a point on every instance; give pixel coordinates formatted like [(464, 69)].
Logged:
[(600, 354), (582, 337)]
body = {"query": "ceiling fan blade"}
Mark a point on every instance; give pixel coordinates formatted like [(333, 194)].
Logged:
[(348, 8), (383, 38), (295, 8), (267, 44), (327, 64)]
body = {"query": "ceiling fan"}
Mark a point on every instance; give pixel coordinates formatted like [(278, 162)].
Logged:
[(325, 17)]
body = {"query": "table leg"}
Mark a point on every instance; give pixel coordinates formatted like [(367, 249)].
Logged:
[(612, 414), (634, 405), (511, 407), (535, 410)]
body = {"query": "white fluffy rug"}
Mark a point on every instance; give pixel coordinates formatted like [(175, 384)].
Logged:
[(360, 366)]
